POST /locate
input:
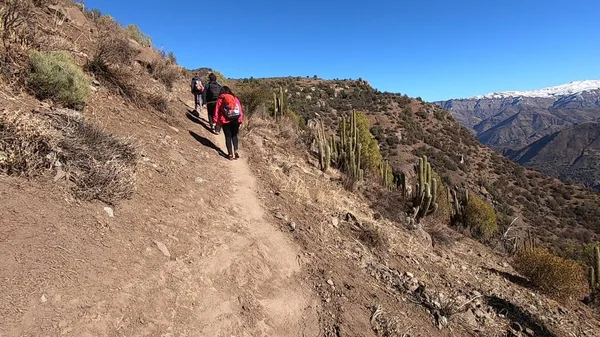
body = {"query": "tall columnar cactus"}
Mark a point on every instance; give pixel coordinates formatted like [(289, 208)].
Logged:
[(426, 189), (595, 270), (278, 104), (386, 171), (349, 149), (324, 148), (458, 203)]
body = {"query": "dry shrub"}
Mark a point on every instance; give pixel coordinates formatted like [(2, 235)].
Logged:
[(56, 76), (135, 33), (556, 276), (158, 102), (27, 144), (109, 64), (480, 217), (372, 237), (99, 165), (17, 31), (166, 73), (103, 166)]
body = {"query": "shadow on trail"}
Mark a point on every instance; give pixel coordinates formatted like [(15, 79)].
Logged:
[(198, 120), (208, 143), (517, 315), (516, 279)]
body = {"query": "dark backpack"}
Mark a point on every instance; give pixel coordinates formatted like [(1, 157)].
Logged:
[(213, 89)]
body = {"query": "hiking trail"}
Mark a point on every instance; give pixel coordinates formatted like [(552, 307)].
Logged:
[(192, 254)]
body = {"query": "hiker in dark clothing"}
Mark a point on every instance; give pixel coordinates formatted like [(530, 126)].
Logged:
[(212, 89), (197, 90), (229, 114)]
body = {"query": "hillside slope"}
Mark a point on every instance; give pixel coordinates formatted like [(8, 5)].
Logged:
[(511, 121), (571, 154), (561, 216), (120, 217)]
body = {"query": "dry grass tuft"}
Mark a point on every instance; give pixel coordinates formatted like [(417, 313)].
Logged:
[(556, 276), (27, 144), (99, 165), (165, 72)]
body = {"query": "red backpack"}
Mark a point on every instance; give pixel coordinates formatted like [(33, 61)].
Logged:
[(231, 109)]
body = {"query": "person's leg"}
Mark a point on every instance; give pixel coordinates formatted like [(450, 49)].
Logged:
[(235, 128), (210, 108), (195, 102), (227, 130)]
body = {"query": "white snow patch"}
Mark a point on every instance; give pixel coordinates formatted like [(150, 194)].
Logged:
[(570, 88)]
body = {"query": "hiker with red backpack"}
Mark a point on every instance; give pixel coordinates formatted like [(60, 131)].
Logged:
[(229, 115)]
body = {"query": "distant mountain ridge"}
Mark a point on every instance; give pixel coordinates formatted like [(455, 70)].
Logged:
[(570, 88), (572, 154), (512, 121)]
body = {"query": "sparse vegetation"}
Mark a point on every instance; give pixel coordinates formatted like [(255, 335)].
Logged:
[(136, 34), (166, 73), (480, 217), (54, 75), (16, 18), (556, 276), (100, 166)]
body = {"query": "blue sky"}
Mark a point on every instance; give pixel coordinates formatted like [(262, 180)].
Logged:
[(429, 48)]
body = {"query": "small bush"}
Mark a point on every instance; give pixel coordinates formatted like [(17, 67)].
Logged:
[(26, 143), (558, 277), (16, 20), (158, 102), (480, 217), (135, 33), (110, 66), (55, 75), (99, 165), (166, 73), (370, 154)]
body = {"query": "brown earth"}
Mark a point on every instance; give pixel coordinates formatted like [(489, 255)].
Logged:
[(190, 254), (267, 245)]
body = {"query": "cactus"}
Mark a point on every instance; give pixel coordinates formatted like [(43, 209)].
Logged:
[(597, 262), (595, 270), (324, 148), (349, 149), (385, 170), (278, 104), (426, 189), (458, 203)]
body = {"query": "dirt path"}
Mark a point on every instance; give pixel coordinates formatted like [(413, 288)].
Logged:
[(192, 254), (255, 269)]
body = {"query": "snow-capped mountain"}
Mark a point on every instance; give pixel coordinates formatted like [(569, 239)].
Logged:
[(519, 123), (570, 88)]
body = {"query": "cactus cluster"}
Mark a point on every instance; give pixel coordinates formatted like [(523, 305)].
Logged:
[(458, 203), (386, 171), (324, 147), (348, 155), (595, 271), (426, 190), (278, 104)]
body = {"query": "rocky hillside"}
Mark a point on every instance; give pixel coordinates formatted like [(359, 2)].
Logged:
[(512, 121), (562, 216), (120, 216), (570, 154)]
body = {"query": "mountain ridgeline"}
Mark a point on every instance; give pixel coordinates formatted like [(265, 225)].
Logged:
[(517, 122), (560, 215)]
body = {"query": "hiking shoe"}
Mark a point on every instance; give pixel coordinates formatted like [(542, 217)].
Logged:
[(237, 155), (230, 157)]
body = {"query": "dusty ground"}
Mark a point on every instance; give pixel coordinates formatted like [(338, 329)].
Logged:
[(192, 254), (378, 277), (263, 246)]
